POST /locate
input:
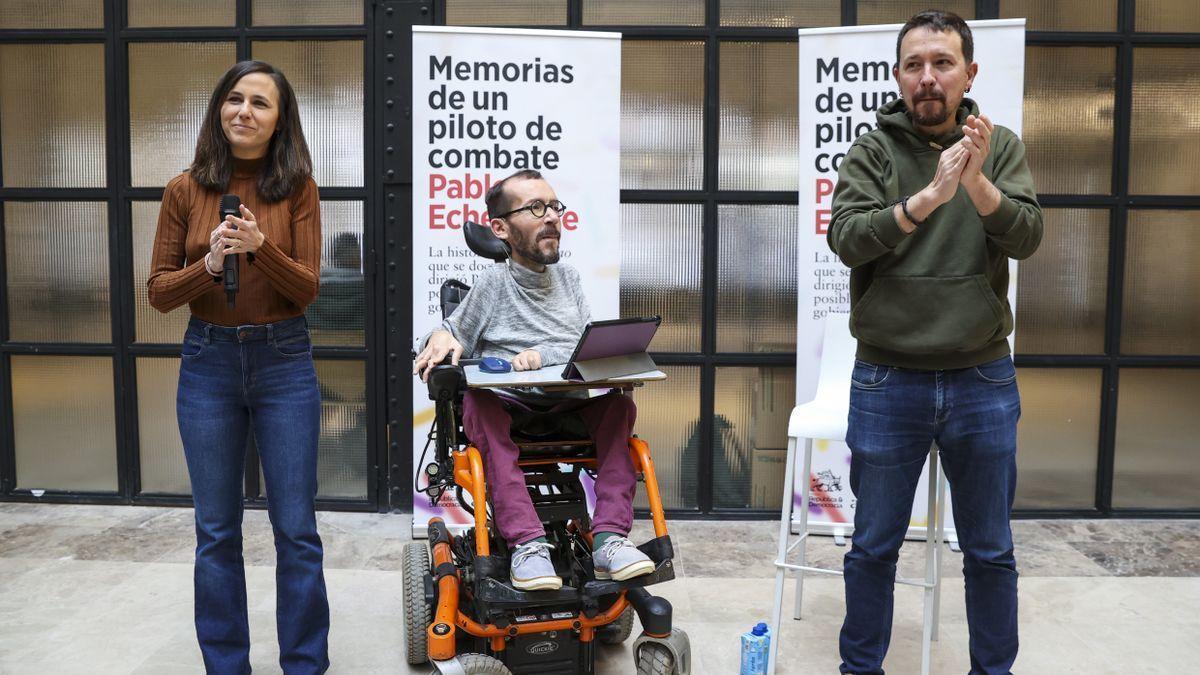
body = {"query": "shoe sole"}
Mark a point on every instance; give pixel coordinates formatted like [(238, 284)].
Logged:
[(537, 584), (627, 572)]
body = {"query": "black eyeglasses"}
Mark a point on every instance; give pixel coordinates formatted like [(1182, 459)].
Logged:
[(537, 209)]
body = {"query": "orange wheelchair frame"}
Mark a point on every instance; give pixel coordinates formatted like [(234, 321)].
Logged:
[(468, 474), (462, 615)]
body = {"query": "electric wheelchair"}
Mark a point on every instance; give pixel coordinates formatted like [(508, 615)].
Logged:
[(460, 611)]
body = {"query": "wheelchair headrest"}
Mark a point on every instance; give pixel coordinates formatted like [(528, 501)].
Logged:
[(481, 240)]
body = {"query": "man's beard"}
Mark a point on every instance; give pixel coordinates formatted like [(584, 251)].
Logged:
[(528, 248), (929, 120)]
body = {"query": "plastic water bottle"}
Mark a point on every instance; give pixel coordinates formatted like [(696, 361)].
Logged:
[(756, 645)]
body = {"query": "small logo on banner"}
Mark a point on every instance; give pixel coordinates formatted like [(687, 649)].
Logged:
[(826, 481)]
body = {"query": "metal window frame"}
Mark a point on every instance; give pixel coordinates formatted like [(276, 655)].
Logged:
[(119, 196), (390, 454), (1117, 203)]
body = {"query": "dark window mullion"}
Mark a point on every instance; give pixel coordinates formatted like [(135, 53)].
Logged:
[(242, 22), (987, 9), (48, 194), (15, 36), (8, 458), (374, 378), (709, 254), (1109, 395), (119, 241)]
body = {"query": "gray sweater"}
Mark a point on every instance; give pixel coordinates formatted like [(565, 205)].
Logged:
[(512, 308)]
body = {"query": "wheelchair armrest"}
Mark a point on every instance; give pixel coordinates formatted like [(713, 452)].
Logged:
[(446, 382)]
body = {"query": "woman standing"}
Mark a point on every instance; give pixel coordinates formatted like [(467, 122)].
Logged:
[(248, 366)]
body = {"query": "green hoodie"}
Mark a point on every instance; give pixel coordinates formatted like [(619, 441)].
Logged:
[(937, 298)]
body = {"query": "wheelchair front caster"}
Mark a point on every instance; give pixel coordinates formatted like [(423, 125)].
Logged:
[(670, 655), (471, 664)]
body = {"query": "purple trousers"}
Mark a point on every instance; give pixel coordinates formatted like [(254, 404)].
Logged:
[(609, 418)]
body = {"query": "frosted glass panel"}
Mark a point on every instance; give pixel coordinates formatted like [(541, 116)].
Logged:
[(640, 12), (756, 278), (781, 13), (669, 420), (339, 312), (328, 80), (151, 325), (169, 88), (758, 116), (62, 87), (1164, 147), (160, 452), (1167, 16), (1058, 438), (306, 12), (662, 115), (1161, 309), (750, 419), (1062, 290), (1157, 465), (63, 424), (184, 13), (507, 13), (64, 14), (1086, 15), (660, 271), (1068, 118), (899, 11), (57, 259), (342, 460)]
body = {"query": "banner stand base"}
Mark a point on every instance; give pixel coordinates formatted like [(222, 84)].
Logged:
[(841, 531)]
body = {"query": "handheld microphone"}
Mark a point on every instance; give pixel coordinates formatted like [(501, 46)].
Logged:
[(229, 207)]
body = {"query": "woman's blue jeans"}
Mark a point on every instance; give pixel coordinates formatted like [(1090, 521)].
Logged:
[(232, 380), (895, 415)]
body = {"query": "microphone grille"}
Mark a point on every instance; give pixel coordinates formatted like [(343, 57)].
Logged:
[(230, 203)]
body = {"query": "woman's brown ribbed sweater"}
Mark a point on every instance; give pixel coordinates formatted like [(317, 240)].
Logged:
[(284, 275)]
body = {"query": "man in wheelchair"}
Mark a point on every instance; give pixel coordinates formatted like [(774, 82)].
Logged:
[(532, 311)]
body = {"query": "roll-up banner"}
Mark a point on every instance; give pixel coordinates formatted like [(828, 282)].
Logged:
[(845, 76), (487, 103)]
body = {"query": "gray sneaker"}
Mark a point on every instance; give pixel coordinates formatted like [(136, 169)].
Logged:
[(532, 569), (619, 559)]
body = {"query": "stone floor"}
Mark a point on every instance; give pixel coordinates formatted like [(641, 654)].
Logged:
[(89, 589)]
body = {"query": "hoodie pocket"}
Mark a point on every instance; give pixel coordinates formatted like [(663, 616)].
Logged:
[(921, 315)]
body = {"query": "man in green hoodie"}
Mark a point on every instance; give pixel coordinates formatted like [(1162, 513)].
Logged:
[(928, 209)]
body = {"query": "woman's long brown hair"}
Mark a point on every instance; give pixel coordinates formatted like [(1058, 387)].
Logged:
[(288, 162)]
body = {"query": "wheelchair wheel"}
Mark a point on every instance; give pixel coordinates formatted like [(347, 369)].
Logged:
[(480, 664), (618, 631), (655, 659), (417, 614)]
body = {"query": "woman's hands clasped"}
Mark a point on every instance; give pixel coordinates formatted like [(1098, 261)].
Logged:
[(225, 240)]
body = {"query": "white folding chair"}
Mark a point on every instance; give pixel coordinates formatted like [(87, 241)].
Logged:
[(824, 418)]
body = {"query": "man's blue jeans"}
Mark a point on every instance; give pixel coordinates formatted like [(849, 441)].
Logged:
[(231, 380), (895, 415)]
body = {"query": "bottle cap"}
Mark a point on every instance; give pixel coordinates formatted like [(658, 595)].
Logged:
[(760, 629)]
